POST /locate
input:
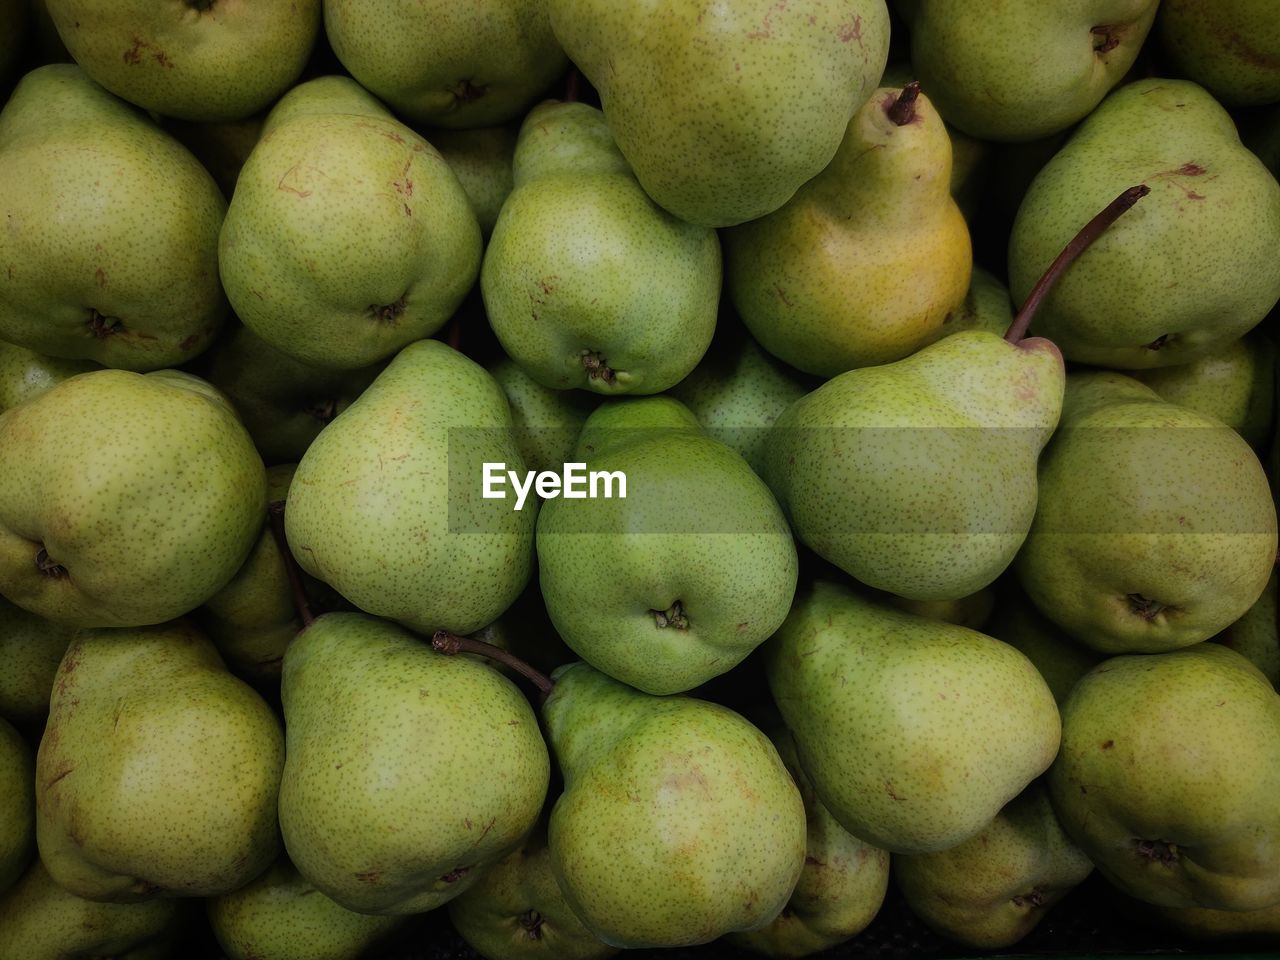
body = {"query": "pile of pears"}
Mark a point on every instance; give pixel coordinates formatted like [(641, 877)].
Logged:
[(935, 346)]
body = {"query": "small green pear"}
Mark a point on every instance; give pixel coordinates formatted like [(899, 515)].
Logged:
[(1231, 47), (17, 803), (1168, 774), (678, 823), (587, 282), (992, 890), (31, 648), (158, 772), (25, 374), (482, 161), (914, 732), (865, 262), (407, 772), (1255, 636), (134, 524), (111, 239), (546, 421)]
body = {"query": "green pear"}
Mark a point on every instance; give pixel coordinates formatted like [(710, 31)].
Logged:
[(385, 508), (724, 110), (681, 578), (158, 771), (482, 161), (25, 374), (408, 772), (1190, 269), (547, 422), (985, 307), (1231, 47), (992, 890), (1234, 384), (17, 802), (516, 911), (1023, 70), (678, 823), (283, 402), (197, 59), (348, 236), (450, 65), (586, 281), (738, 390), (1061, 660), (1255, 636), (841, 886), (864, 263), (1168, 774), (914, 732), (112, 229), (39, 920), (30, 650), (919, 477), (1155, 527), (130, 525), (280, 916)]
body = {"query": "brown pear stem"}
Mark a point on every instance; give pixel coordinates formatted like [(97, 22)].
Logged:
[(573, 86), (1081, 242), (448, 643), (275, 516), (903, 110)]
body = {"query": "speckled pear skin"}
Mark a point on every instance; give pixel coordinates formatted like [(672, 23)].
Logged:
[(919, 477), (841, 887), (1189, 269), (516, 911), (17, 805), (863, 265), (1234, 384), (1168, 775), (25, 374), (31, 648), (1172, 537), (738, 390), (724, 110), (408, 771), (1231, 47), (41, 921), (448, 64), (481, 159), (914, 732), (1061, 660), (1024, 69), (972, 611), (587, 282), (129, 280), (193, 59), (147, 519), (348, 236), (1255, 637), (547, 422), (376, 511), (992, 890), (281, 916), (158, 772), (681, 580), (985, 307), (678, 822)]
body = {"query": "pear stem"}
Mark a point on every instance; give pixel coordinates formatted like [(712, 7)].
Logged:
[(275, 517), (903, 110), (1081, 242), (449, 644)]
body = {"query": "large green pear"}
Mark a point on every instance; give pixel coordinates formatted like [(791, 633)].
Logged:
[(158, 772), (724, 110), (1168, 775), (449, 65), (678, 823), (132, 523), (1155, 526), (408, 772), (31, 648), (1232, 47), (25, 374), (39, 920), (547, 422), (196, 59), (1023, 69), (914, 732), (587, 282), (680, 579), (17, 805), (1189, 269), (348, 236), (864, 264), (387, 507), (111, 229), (919, 477)]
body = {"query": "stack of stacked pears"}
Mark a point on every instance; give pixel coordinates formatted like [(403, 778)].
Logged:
[(904, 587)]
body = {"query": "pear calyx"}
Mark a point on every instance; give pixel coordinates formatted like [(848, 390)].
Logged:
[(467, 92), (1158, 850), (531, 921), (442, 641), (903, 110), (1106, 37), (387, 312), (674, 617), (1034, 899), (48, 566), (597, 367), (103, 326)]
